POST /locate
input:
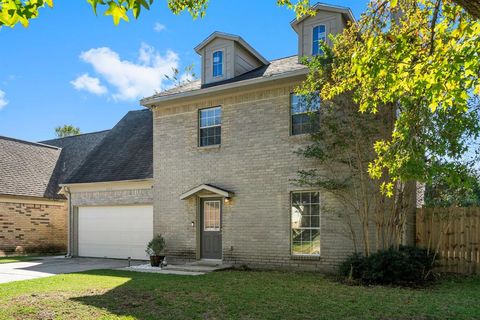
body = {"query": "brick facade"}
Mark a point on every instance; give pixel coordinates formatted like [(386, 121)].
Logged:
[(257, 161), (32, 226), (112, 197)]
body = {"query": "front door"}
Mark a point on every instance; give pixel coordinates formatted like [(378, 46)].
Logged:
[(211, 233)]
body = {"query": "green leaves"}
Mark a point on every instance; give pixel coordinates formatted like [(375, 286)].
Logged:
[(422, 66), (117, 12), (119, 9), (196, 8), (13, 12), (301, 7), (67, 131)]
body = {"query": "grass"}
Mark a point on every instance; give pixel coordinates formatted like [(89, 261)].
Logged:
[(108, 294), (11, 259)]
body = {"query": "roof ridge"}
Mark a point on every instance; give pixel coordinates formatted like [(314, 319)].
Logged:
[(282, 58), (81, 134), (38, 144)]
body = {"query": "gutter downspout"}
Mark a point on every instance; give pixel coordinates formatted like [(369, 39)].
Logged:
[(69, 223)]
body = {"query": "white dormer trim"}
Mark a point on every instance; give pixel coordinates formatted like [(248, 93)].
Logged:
[(207, 188), (346, 12), (217, 34)]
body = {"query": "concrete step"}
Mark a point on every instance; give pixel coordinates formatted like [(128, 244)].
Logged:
[(197, 267), (191, 269)]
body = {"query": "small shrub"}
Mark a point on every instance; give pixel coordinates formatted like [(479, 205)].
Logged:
[(353, 267), (47, 249), (408, 265), (156, 246)]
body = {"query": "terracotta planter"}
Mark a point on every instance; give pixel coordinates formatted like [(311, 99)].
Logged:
[(155, 261)]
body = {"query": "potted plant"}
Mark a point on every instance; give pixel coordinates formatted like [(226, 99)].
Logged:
[(155, 249)]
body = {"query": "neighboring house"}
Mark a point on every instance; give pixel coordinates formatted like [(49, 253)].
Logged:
[(110, 194), (33, 217), (224, 159)]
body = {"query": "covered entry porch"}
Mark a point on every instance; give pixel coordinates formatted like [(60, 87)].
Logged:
[(209, 201)]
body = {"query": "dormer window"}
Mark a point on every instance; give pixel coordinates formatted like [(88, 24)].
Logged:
[(217, 64), (319, 35)]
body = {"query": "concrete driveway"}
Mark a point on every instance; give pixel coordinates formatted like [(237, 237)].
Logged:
[(49, 266)]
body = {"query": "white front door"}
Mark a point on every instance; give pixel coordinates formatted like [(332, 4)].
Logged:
[(114, 231)]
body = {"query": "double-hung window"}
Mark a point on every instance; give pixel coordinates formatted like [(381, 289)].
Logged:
[(217, 64), (305, 215), (305, 112), (319, 35), (210, 126)]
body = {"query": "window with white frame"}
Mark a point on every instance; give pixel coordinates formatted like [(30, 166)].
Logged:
[(210, 126), (211, 215), (319, 35), (305, 223), (217, 63), (305, 113)]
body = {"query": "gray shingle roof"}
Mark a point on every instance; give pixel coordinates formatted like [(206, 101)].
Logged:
[(74, 151), (276, 67), (126, 152), (27, 169)]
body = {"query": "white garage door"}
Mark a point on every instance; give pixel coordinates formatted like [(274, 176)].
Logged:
[(114, 232)]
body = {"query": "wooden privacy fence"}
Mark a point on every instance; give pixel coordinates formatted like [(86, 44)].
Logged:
[(454, 233)]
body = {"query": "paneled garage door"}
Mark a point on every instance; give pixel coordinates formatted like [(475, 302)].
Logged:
[(114, 232)]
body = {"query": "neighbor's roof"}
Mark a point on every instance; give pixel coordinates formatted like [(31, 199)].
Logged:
[(277, 68), (74, 151), (233, 37), (27, 168), (125, 153)]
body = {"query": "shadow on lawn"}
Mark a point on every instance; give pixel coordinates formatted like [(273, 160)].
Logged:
[(144, 296)]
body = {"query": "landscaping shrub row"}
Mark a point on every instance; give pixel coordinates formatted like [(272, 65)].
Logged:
[(407, 265)]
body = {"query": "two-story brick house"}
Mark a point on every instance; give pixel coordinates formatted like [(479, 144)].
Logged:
[(224, 158), (218, 184)]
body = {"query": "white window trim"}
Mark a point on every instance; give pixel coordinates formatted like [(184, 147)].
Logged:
[(326, 34), (291, 122), (206, 127), (223, 63), (319, 225)]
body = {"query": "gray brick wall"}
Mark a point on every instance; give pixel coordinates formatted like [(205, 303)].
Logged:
[(112, 197), (256, 161)]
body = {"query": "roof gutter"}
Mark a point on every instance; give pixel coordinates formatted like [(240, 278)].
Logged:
[(63, 185), (69, 222), (150, 102)]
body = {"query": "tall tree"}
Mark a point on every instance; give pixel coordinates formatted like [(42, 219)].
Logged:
[(342, 147), (67, 131), (421, 61)]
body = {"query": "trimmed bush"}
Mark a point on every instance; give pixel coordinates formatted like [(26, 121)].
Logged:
[(408, 265)]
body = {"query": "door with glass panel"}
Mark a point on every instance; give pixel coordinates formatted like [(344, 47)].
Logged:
[(211, 233)]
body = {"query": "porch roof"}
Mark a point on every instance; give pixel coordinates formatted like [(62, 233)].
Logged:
[(206, 188)]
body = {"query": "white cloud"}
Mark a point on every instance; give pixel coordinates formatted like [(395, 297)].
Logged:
[(90, 84), (159, 27), (3, 99), (132, 80)]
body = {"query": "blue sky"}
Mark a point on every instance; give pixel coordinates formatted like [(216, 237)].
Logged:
[(72, 67)]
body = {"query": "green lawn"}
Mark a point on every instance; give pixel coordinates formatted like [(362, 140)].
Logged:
[(17, 259), (106, 294)]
